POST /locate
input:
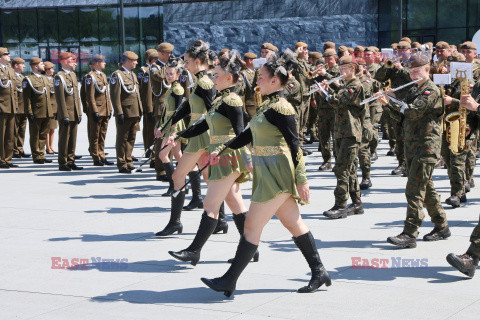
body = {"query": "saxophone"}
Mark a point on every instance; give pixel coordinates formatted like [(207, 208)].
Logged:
[(457, 131), (257, 97)]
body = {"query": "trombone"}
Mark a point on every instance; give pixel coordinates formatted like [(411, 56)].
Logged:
[(395, 89)]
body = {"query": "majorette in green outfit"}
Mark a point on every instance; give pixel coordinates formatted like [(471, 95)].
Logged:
[(278, 177), (224, 121)]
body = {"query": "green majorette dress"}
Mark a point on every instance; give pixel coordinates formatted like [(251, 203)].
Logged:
[(198, 104), (225, 122), (173, 100), (278, 164)]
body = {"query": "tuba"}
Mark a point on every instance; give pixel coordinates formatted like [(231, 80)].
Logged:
[(457, 131)]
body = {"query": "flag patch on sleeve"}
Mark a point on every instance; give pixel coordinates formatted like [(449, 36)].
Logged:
[(351, 90), (426, 92)]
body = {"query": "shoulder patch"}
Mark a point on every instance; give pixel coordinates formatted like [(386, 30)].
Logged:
[(427, 92), (233, 100), (57, 82), (282, 106), (88, 81), (291, 85), (205, 83), (113, 80), (178, 90), (24, 84)]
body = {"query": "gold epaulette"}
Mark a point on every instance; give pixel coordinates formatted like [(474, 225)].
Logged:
[(205, 83), (178, 90), (233, 100), (282, 106)]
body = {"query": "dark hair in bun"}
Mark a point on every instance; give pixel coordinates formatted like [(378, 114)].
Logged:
[(279, 65), (199, 49), (176, 63), (231, 63)]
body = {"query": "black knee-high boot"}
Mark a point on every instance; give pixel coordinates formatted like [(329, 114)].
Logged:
[(228, 281), (306, 244), (239, 220), (197, 200), (169, 172), (222, 225), (192, 253), (174, 225)]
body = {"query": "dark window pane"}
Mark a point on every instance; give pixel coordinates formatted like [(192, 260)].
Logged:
[(47, 25), (421, 14), (452, 13), (150, 24), (108, 24), (68, 21), (28, 26), (111, 51), (10, 26), (454, 36), (88, 24), (473, 14), (131, 23)]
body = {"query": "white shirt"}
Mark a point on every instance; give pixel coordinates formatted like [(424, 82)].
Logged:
[(66, 71), (37, 74)]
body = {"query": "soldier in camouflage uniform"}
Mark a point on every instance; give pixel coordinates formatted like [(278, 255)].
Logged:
[(349, 116), (248, 74), (455, 162), (398, 76), (301, 74), (326, 113), (376, 109), (293, 93), (315, 59), (423, 111), (467, 263)]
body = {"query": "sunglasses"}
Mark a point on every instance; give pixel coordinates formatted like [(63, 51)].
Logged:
[(6, 54)]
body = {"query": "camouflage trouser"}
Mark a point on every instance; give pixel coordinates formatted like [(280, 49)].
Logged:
[(455, 168), (388, 125), (326, 122), (375, 117), (399, 142), (419, 191), (471, 159), (475, 241), (312, 122), (364, 156), (304, 107), (346, 170)]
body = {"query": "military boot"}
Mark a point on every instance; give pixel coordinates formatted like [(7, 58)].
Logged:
[(336, 212), (365, 184), (403, 240), (466, 263), (454, 201), (437, 234), (400, 170), (356, 207), (325, 166)]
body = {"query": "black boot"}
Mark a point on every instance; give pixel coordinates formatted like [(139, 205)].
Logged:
[(222, 225), (239, 220), (192, 253), (306, 244), (437, 234), (197, 200), (228, 281), (466, 263), (336, 212), (403, 240), (356, 207), (169, 172), (174, 225)]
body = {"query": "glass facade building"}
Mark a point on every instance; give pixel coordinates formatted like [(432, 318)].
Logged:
[(84, 31), (453, 21)]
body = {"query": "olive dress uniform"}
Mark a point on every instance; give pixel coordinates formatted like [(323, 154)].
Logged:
[(250, 106), (53, 123), (126, 104), (20, 119), (68, 103), (36, 95), (146, 97), (99, 111), (8, 109)]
